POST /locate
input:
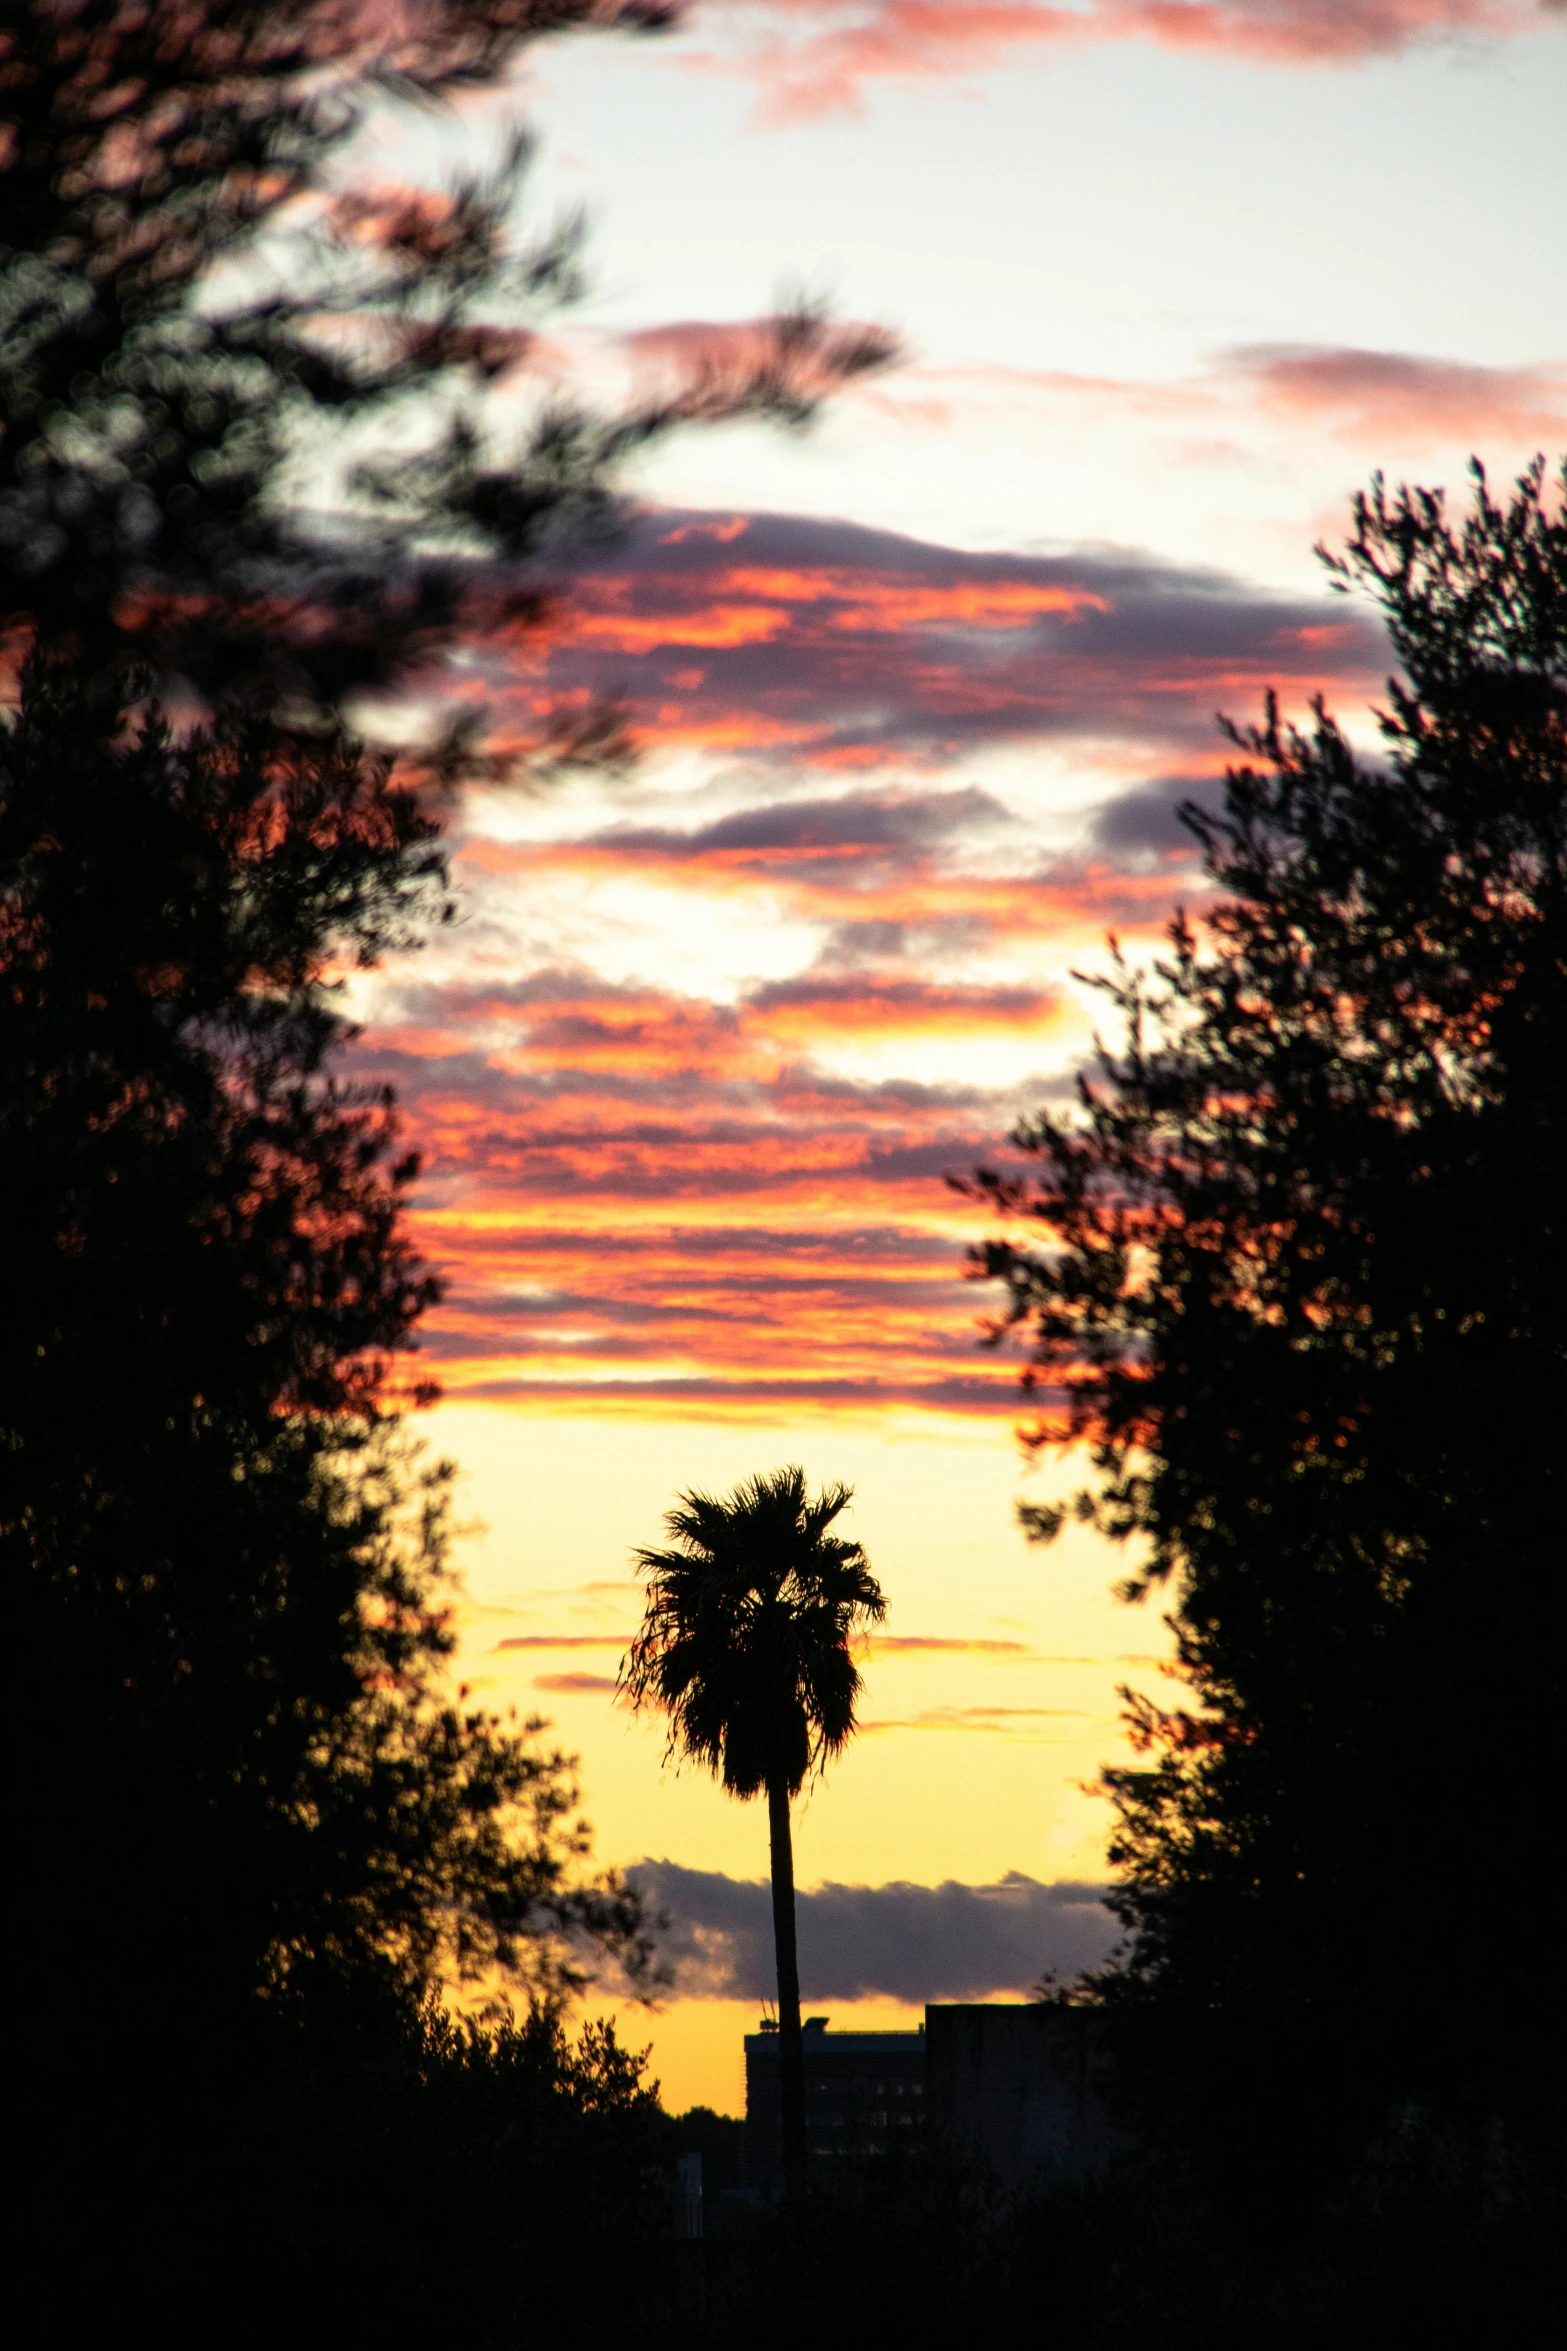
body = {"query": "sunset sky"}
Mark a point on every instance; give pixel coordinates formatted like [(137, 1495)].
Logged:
[(916, 693)]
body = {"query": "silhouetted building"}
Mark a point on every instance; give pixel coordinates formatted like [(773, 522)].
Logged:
[(688, 2196), (719, 2139), (1023, 2083), (863, 2093), (709, 2168)]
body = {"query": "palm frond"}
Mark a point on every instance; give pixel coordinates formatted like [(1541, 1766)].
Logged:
[(744, 1643)]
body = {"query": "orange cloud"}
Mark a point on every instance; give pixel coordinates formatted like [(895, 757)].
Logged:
[(997, 1721), (566, 1641), (994, 605), (732, 624), (919, 1644), (852, 649), (848, 884), (665, 1192)]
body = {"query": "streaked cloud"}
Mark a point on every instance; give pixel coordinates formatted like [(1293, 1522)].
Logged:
[(806, 643), (660, 1177), (1247, 457), (927, 1645), (822, 56), (1394, 397), (897, 823), (1009, 1722), (902, 1942), (566, 1641), (877, 1644), (576, 1685)]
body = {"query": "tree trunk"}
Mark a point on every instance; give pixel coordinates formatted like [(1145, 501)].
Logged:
[(791, 2047)]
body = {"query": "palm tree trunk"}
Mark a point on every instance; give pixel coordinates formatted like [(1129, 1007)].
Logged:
[(791, 2046)]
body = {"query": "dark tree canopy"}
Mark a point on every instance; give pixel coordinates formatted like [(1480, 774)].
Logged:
[(1302, 1290), (228, 1581), (251, 477), (225, 1575)]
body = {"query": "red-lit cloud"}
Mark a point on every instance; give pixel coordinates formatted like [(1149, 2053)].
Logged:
[(650, 1191), (925, 1644), (823, 643), (1005, 1722), (814, 56), (1396, 398), (566, 1641), (1268, 437), (1359, 393)]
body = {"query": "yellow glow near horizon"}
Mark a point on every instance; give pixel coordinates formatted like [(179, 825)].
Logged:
[(968, 1765), (688, 1073)]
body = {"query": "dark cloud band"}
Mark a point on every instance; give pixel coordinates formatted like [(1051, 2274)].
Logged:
[(800, 640), (898, 1941)]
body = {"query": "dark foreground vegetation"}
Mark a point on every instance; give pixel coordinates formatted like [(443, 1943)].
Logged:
[(1299, 1280), (257, 1833), (1431, 2239), (1302, 1294)]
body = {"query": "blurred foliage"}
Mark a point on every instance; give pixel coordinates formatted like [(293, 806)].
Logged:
[(245, 389)]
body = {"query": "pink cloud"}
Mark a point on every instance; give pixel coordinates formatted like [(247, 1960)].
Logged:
[(642, 1194), (815, 56), (1400, 397), (645, 1197), (1372, 401)]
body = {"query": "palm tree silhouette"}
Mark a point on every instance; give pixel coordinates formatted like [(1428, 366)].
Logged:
[(745, 1646)]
